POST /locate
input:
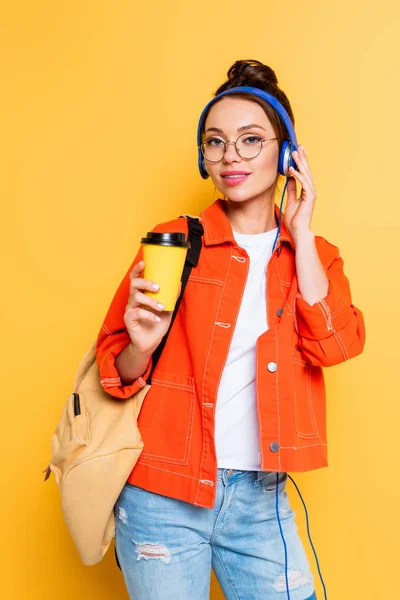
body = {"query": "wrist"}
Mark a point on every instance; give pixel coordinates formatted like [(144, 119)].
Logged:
[(135, 352), (303, 236)]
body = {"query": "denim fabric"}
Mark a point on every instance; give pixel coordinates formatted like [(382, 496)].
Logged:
[(166, 547)]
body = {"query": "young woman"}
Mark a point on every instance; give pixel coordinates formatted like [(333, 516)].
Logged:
[(237, 398)]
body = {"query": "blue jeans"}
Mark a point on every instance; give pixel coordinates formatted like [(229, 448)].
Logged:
[(166, 547)]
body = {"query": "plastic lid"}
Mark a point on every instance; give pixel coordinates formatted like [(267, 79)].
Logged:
[(166, 239)]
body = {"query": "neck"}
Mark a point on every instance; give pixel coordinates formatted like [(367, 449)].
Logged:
[(251, 216)]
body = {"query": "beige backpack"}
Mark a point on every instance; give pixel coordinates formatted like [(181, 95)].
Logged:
[(97, 443)]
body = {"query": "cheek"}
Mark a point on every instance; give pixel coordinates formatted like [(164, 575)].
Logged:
[(266, 170), (269, 160), (213, 171)]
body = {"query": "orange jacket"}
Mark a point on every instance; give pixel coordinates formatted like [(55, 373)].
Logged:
[(177, 417)]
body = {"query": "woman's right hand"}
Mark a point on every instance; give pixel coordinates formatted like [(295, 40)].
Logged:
[(145, 319)]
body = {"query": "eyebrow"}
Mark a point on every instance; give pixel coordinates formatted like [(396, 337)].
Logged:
[(252, 126)]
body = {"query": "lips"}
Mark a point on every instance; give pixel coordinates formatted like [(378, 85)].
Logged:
[(232, 178), (234, 173)]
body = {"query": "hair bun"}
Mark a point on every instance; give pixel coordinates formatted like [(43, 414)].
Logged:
[(252, 73)]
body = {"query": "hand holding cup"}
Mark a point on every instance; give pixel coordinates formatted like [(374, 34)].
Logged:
[(153, 296), (145, 318)]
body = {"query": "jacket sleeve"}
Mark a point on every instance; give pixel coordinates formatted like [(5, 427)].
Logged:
[(112, 339), (331, 330)]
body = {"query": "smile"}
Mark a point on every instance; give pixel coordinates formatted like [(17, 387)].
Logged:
[(234, 178)]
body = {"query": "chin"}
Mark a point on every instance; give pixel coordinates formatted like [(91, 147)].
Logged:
[(236, 195), (238, 198)]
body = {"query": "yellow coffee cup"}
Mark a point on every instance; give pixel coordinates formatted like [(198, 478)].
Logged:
[(164, 257)]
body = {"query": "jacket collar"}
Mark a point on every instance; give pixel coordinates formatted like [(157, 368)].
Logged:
[(218, 230)]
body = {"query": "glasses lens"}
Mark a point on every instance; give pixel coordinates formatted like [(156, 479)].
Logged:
[(213, 149), (249, 145)]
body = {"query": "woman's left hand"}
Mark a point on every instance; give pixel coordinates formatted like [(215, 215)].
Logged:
[(299, 210)]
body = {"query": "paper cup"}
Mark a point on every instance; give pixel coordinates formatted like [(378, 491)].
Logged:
[(164, 255)]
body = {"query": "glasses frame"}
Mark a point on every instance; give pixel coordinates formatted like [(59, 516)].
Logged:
[(236, 148)]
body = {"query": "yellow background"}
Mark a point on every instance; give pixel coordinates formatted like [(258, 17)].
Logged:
[(99, 107)]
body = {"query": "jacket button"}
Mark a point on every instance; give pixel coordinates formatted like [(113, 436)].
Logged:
[(279, 312), (272, 367), (274, 447)]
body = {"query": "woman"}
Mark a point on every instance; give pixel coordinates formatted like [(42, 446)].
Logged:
[(237, 398)]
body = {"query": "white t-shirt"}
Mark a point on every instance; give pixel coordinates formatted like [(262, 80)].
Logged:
[(236, 425)]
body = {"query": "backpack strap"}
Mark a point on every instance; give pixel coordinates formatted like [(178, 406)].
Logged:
[(195, 232), (87, 361)]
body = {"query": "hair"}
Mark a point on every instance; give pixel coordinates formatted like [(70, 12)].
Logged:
[(254, 73)]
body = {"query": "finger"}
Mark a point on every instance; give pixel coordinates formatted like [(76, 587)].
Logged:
[(137, 269), (301, 166), (305, 173), (305, 161), (291, 190), (303, 154), (133, 317), (143, 284), (308, 192), (140, 299), (300, 177), (302, 163)]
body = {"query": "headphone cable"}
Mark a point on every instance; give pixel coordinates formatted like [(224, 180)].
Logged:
[(280, 214), (308, 532)]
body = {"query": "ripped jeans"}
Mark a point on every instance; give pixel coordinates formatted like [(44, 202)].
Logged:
[(166, 547)]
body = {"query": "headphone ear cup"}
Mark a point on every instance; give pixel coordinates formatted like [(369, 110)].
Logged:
[(285, 158), (202, 166)]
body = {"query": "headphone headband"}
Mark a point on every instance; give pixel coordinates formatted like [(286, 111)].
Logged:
[(285, 158)]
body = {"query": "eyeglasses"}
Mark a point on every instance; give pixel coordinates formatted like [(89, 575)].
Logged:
[(247, 145)]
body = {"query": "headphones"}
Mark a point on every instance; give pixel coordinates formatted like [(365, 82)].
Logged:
[(285, 153)]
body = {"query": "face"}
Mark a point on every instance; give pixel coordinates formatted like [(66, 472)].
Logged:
[(227, 120)]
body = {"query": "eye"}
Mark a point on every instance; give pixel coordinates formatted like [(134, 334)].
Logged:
[(251, 140), (213, 142)]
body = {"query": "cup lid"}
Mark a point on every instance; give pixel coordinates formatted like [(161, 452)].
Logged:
[(166, 239)]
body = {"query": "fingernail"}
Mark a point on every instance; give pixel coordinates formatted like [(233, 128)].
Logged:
[(160, 306), (156, 286)]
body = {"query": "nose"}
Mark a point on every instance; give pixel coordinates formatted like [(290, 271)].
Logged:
[(231, 154)]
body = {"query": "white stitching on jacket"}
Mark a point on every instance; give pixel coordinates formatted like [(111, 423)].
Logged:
[(196, 278), (301, 447), (240, 259), (206, 363), (277, 394)]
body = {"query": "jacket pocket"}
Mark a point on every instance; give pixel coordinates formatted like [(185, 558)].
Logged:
[(166, 419), (307, 381)]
